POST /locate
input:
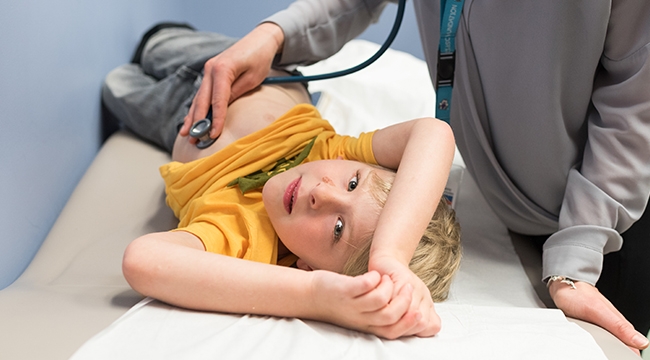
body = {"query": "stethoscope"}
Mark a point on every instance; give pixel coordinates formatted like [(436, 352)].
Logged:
[(201, 129)]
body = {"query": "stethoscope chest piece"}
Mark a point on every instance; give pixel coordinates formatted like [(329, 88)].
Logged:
[(201, 131)]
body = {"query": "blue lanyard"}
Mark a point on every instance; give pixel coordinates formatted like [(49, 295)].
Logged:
[(449, 20)]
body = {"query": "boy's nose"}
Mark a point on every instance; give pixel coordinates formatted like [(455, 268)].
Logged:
[(325, 194)]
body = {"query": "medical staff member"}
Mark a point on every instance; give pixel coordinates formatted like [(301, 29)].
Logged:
[(551, 112)]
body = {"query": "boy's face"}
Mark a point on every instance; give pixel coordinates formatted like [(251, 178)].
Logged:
[(322, 210)]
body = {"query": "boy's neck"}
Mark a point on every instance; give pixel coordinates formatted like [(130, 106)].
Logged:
[(282, 250)]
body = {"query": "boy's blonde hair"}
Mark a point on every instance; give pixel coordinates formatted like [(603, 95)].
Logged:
[(437, 256)]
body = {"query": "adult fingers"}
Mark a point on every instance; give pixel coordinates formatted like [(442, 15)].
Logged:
[(213, 93), (199, 107), (609, 318), (246, 82), (221, 90), (587, 303)]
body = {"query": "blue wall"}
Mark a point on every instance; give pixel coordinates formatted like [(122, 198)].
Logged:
[(54, 56), (238, 20)]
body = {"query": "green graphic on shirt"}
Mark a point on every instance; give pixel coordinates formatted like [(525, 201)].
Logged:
[(257, 179)]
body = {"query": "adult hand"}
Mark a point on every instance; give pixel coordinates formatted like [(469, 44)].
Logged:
[(365, 303), (421, 302), (588, 304), (232, 73)]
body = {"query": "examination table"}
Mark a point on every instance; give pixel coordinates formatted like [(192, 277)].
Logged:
[(73, 299)]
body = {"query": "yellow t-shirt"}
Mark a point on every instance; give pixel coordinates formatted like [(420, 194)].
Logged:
[(231, 223)]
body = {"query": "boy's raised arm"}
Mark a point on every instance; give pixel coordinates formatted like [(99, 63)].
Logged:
[(173, 267), (421, 151)]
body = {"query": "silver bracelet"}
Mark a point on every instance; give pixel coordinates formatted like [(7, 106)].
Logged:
[(562, 279)]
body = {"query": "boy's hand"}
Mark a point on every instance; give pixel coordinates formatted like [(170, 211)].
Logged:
[(234, 72), (366, 303), (421, 302)]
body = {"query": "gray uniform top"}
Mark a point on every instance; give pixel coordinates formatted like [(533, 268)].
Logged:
[(550, 109)]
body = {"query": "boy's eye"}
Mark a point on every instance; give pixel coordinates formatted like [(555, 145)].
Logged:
[(338, 230), (354, 182)]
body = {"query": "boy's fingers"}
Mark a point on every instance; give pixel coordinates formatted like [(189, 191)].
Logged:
[(395, 320), (376, 297), (364, 284), (401, 328), (428, 325), (395, 310)]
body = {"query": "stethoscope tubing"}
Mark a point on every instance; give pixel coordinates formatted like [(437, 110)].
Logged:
[(389, 40), (200, 129)]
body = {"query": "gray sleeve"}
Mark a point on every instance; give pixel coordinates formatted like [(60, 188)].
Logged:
[(316, 29), (609, 191)]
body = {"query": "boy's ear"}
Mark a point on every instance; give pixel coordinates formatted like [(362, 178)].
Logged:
[(303, 265)]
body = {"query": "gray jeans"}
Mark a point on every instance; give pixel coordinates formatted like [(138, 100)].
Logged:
[(152, 98)]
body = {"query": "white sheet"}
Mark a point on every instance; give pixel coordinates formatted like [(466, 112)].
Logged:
[(492, 312), (153, 330)]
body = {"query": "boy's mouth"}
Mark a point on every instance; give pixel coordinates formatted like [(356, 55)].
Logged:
[(291, 194)]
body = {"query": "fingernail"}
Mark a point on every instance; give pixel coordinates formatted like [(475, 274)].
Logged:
[(640, 341)]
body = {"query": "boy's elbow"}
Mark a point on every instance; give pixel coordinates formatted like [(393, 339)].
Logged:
[(136, 264), (441, 129)]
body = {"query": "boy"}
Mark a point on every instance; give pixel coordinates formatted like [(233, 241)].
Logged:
[(278, 186)]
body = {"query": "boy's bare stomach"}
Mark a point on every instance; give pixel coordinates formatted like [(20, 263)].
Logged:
[(247, 114)]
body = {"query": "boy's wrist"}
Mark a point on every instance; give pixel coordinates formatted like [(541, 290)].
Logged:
[(379, 259), (316, 305)]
